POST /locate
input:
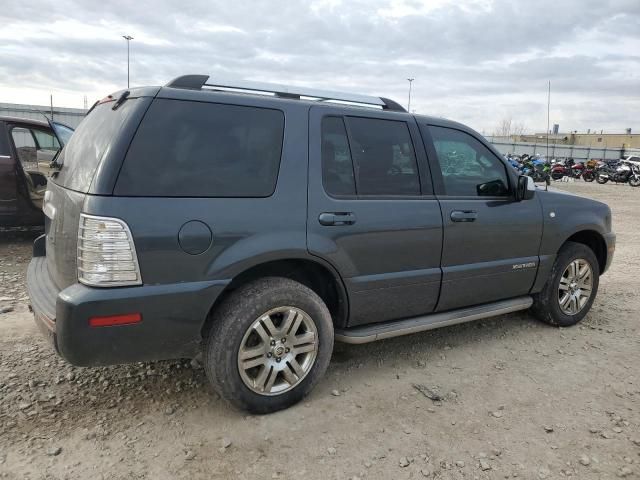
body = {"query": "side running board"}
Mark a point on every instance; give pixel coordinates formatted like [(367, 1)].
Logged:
[(380, 331)]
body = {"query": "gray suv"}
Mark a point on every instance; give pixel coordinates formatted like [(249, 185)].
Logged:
[(258, 223)]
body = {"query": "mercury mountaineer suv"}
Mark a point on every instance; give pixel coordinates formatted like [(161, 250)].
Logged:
[(257, 223)]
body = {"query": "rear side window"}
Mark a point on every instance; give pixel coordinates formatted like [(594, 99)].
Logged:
[(377, 154), (90, 142), (195, 149)]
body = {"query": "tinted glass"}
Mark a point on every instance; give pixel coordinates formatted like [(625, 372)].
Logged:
[(468, 167), (383, 156), (87, 146), (337, 168), (194, 149)]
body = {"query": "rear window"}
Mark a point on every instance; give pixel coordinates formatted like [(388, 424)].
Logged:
[(90, 142), (195, 149)]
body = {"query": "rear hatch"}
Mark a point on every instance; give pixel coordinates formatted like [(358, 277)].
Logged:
[(91, 146)]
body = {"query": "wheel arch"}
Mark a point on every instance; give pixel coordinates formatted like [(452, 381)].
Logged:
[(312, 272), (595, 241)]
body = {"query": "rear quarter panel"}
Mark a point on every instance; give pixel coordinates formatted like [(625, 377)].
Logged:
[(245, 231)]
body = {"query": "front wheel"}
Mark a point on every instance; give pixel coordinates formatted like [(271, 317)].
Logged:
[(588, 176), (602, 180), (269, 344), (634, 180), (571, 288)]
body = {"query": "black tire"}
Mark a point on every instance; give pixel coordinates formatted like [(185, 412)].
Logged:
[(588, 177), (233, 318), (546, 305), (634, 181), (557, 176), (601, 180)]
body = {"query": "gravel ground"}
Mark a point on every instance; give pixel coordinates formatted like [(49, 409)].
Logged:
[(519, 399)]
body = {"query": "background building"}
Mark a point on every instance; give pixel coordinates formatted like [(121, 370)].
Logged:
[(68, 116), (593, 139)]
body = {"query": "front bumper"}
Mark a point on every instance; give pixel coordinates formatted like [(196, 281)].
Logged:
[(172, 318)]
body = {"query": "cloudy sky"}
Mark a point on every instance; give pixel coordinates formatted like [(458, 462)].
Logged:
[(475, 61)]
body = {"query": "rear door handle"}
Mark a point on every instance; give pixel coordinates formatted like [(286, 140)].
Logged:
[(464, 216), (337, 218)]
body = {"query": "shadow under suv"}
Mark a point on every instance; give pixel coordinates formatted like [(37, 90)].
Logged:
[(257, 223)]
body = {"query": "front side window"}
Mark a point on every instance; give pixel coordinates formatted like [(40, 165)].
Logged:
[(196, 149), (469, 169)]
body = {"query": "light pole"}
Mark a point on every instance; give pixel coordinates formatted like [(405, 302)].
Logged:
[(128, 38), (410, 80)]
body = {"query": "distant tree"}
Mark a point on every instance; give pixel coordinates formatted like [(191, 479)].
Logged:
[(507, 127), (504, 128)]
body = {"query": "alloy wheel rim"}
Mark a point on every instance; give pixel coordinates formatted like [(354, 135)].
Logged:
[(277, 351), (576, 285)]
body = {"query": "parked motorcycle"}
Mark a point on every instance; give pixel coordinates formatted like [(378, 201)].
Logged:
[(590, 171), (568, 168), (625, 171)]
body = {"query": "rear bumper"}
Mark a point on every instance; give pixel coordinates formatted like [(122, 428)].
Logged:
[(172, 318), (42, 294)]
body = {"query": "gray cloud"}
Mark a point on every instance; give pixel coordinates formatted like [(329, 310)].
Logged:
[(475, 62)]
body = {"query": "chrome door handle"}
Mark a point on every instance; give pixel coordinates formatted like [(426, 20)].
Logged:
[(464, 216), (337, 218)]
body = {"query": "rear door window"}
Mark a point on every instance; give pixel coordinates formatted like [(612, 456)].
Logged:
[(375, 158), (383, 157), (88, 145), (197, 149), (337, 167)]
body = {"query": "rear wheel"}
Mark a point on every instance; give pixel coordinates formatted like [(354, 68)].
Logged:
[(588, 176), (557, 176), (571, 288), (269, 344)]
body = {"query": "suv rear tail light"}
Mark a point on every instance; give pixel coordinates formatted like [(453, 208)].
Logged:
[(106, 253)]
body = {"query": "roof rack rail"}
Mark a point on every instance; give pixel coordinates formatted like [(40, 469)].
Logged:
[(197, 82)]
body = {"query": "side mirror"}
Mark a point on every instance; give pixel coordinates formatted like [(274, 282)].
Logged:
[(526, 188)]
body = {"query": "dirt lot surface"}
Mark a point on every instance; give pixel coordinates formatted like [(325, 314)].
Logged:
[(520, 399)]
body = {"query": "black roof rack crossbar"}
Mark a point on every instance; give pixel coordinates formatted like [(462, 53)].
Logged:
[(197, 82)]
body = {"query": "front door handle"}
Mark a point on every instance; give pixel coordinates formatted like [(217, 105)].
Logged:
[(337, 218), (464, 216)]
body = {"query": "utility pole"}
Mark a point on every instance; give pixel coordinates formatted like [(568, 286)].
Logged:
[(410, 80), (548, 116), (128, 38)]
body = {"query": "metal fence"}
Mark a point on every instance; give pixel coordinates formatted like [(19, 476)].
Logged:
[(578, 152)]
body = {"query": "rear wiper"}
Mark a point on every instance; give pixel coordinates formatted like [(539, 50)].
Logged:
[(121, 99)]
